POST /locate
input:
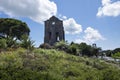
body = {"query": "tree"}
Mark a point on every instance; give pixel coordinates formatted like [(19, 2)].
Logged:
[(13, 30), (85, 49), (108, 52), (116, 50), (73, 48), (96, 51), (116, 55)]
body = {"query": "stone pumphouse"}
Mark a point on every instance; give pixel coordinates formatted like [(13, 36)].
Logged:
[(54, 31)]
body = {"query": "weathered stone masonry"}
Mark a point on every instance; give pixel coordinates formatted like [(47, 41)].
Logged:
[(54, 31)]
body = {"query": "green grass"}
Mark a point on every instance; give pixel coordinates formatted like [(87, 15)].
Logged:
[(54, 65)]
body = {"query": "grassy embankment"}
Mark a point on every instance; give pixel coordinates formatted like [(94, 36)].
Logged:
[(54, 65)]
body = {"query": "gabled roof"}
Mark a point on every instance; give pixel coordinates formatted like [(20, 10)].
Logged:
[(53, 18)]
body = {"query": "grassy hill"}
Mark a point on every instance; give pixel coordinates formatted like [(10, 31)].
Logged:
[(54, 65)]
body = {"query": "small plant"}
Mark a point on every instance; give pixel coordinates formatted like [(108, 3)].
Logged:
[(62, 45), (27, 43), (3, 44)]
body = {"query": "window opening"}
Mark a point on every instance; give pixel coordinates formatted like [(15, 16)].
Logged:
[(49, 35), (57, 36)]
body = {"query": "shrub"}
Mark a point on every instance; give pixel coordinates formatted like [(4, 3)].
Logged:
[(3, 44), (73, 49), (27, 43), (45, 46), (111, 74), (116, 55), (62, 45)]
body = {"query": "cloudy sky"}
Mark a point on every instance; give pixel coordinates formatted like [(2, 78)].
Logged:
[(90, 21)]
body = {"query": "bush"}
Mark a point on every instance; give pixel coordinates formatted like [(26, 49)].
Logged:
[(54, 65), (116, 55), (3, 44), (27, 43), (73, 49), (62, 45), (111, 74), (45, 46)]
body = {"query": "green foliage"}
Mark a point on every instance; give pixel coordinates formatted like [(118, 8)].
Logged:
[(111, 74), (108, 52), (27, 43), (78, 49), (61, 45), (116, 55), (86, 50), (10, 42), (111, 52), (13, 28), (3, 44), (54, 65), (95, 51), (116, 50), (73, 49)]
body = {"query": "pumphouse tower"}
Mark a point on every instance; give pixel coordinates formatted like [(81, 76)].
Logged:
[(54, 31)]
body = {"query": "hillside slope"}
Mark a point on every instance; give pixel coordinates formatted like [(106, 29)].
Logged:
[(53, 65)]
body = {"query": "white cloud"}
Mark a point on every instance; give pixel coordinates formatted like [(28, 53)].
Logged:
[(109, 8), (64, 17), (71, 27), (37, 10), (106, 2), (91, 36), (80, 41)]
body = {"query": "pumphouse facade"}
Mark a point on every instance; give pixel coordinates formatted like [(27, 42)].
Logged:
[(54, 31)]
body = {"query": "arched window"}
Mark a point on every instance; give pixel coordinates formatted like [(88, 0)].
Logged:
[(57, 36)]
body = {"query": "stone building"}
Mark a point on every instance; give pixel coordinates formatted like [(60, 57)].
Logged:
[(54, 31)]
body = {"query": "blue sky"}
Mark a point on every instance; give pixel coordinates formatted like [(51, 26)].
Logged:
[(90, 21)]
